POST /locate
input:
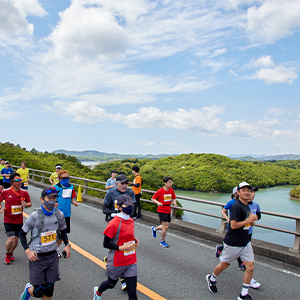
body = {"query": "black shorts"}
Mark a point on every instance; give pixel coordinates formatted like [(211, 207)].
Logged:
[(164, 217), (68, 224), (45, 269), (12, 229), (1, 181), (6, 185)]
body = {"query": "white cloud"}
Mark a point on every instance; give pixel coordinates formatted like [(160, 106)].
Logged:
[(279, 74), (13, 22), (277, 111), (264, 61), (146, 144), (274, 19)]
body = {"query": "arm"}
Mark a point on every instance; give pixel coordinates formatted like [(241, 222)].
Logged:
[(224, 214), (174, 202), (236, 224), (32, 255), (108, 244), (64, 237), (156, 202)]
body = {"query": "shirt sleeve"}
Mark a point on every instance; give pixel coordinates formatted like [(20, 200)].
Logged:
[(27, 197), (73, 193), (110, 230)]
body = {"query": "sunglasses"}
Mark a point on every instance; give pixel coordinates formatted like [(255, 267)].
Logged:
[(125, 182), (17, 180), (50, 191), (65, 178)]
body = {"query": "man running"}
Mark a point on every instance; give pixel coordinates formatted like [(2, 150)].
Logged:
[(236, 242), (44, 223), (164, 198), (24, 173), (15, 200), (54, 176), (5, 173)]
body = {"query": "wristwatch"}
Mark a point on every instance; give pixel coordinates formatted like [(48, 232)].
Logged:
[(69, 245)]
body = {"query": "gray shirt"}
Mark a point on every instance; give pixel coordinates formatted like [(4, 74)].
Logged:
[(46, 242)]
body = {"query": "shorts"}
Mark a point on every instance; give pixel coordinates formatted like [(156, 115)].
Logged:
[(123, 272), (231, 253), (6, 185), (164, 217), (45, 269), (1, 181), (13, 229), (68, 224), (24, 187)]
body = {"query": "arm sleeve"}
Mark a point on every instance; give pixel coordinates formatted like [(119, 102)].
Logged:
[(108, 244), (136, 185), (23, 239), (64, 236), (107, 210)]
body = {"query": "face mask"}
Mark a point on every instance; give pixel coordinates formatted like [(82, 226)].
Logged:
[(64, 182), (50, 204), (127, 210)]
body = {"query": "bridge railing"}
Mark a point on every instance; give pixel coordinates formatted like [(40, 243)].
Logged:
[(44, 175)]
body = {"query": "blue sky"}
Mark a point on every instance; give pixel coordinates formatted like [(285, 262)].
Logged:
[(140, 77)]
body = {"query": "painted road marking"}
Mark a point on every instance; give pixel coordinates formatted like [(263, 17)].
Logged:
[(99, 262)]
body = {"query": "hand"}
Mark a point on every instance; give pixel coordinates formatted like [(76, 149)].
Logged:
[(23, 203), (32, 256), (75, 203), (67, 249), (137, 242), (126, 247), (252, 218), (175, 203), (2, 210), (159, 204), (129, 182)]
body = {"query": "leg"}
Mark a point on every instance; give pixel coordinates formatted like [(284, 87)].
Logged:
[(108, 284), (165, 227), (131, 287), (249, 271), (11, 244), (138, 205), (220, 268)]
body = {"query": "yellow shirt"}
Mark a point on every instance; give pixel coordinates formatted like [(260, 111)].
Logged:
[(23, 174), (54, 178)]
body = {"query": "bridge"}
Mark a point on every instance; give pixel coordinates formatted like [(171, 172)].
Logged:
[(177, 272)]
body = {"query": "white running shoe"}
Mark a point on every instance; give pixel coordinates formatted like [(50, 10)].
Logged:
[(96, 297), (254, 284)]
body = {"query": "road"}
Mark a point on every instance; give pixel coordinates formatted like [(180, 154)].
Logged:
[(177, 272)]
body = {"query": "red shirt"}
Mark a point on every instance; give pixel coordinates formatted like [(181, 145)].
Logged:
[(164, 197), (120, 231), (13, 207)]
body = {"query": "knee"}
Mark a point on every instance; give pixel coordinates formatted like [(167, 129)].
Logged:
[(49, 289), (249, 267)]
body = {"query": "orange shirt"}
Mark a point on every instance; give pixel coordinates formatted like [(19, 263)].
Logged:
[(137, 179)]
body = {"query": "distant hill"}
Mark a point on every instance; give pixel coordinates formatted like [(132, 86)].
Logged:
[(93, 155), (264, 157)]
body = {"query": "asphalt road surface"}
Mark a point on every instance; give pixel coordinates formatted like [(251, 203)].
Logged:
[(177, 272)]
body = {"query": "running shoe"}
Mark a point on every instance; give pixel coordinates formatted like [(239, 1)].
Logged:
[(164, 244), (247, 297), (153, 231), (96, 297), (12, 258), (242, 267), (218, 251), (123, 282), (212, 286), (7, 259), (25, 295), (254, 284)]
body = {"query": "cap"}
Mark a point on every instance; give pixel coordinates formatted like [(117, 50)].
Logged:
[(234, 190), (121, 178), (124, 199), (255, 189), (243, 184), (113, 171), (58, 166), (7, 162), (51, 191)]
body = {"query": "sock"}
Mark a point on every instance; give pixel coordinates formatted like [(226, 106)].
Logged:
[(213, 277), (162, 241), (98, 294), (245, 289)]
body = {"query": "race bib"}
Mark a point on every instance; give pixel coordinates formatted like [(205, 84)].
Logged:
[(167, 197), (7, 176), (67, 193), (126, 253), (48, 238), (16, 209), (247, 226), (25, 183)]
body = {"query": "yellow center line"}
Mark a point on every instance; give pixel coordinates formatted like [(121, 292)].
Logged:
[(97, 261)]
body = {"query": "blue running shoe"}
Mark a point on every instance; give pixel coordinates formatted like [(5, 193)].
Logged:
[(153, 231), (25, 295), (164, 244), (218, 251)]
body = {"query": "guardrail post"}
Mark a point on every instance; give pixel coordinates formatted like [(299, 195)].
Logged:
[(223, 226), (43, 177), (33, 177), (297, 238), (84, 188), (173, 213)]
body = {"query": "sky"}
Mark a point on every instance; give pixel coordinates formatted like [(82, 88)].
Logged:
[(151, 77)]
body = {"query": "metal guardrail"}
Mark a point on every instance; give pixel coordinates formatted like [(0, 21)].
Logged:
[(223, 225)]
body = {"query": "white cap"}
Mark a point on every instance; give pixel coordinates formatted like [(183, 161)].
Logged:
[(234, 190), (243, 184)]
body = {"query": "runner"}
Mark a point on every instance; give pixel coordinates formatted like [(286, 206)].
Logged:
[(137, 189), (15, 200), (44, 224), (54, 176), (24, 173), (5, 173), (164, 197), (120, 240), (66, 197), (111, 182), (2, 161), (236, 242)]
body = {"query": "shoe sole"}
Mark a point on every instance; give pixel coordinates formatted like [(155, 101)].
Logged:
[(153, 232), (164, 246), (208, 282), (7, 263)]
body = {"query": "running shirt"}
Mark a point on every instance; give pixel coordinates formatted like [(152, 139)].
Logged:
[(164, 197), (23, 174), (238, 237), (137, 179), (120, 231), (255, 209), (13, 207), (64, 198), (7, 173), (54, 178), (111, 182)]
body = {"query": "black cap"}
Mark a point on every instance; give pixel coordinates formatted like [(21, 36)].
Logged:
[(124, 199), (121, 178), (113, 171), (51, 191), (255, 189)]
